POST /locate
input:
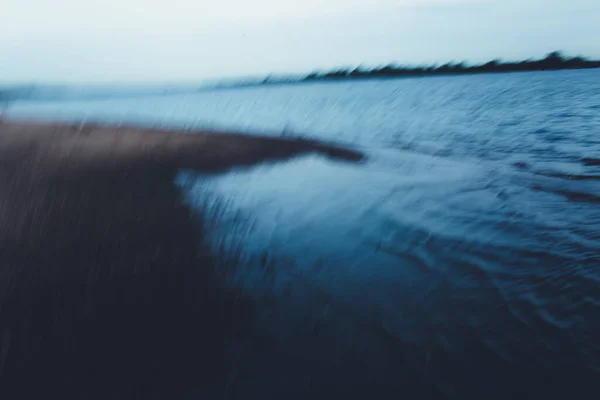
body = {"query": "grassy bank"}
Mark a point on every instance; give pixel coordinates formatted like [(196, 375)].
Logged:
[(106, 287)]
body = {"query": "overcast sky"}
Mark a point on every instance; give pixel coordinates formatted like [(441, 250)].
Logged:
[(99, 41)]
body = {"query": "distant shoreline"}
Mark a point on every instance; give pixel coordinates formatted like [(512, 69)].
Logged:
[(554, 61)]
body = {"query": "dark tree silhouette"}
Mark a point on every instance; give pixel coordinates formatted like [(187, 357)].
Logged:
[(551, 62)]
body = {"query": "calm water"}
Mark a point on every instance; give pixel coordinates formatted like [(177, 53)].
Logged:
[(462, 257)]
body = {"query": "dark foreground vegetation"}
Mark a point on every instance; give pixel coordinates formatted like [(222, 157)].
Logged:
[(107, 290)]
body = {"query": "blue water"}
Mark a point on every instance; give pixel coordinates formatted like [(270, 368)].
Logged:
[(467, 245)]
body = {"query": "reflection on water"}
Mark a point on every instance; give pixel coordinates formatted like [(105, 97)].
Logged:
[(462, 259), (438, 256)]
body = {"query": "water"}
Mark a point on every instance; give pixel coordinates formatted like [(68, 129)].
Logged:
[(469, 239)]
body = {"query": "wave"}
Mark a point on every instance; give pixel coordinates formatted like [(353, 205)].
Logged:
[(591, 161), (569, 194), (570, 177)]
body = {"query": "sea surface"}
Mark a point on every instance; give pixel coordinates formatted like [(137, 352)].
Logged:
[(461, 259)]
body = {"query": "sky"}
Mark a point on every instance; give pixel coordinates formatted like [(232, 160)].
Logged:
[(148, 41)]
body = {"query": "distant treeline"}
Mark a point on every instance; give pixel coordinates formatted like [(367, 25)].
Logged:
[(552, 62)]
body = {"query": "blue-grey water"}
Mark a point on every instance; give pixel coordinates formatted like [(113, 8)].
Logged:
[(463, 256)]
